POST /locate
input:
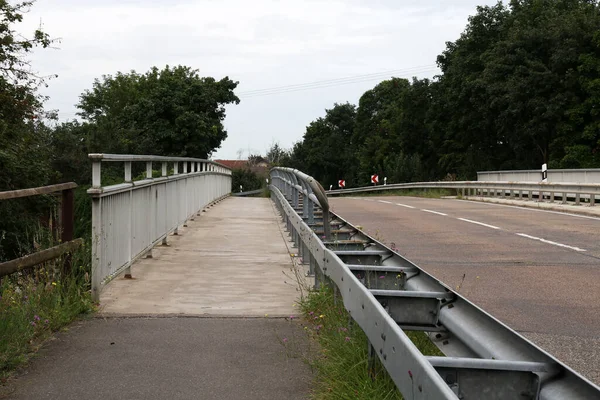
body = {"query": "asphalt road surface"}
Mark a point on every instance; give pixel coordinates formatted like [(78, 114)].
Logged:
[(537, 271)]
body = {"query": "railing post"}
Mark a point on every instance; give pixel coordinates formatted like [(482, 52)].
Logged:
[(97, 246), (96, 173), (149, 169), (127, 171), (128, 235)]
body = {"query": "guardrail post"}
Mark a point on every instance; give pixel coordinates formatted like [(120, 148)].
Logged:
[(372, 361), (577, 199), (592, 200), (531, 195), (311, 211), (551, 197), (564, 198), (326, 225)]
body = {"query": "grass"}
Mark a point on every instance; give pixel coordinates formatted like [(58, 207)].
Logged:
[(35, 304), (341, 363), (429, 193)]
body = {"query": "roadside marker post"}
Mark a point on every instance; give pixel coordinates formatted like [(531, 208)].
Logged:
[(544, 173)]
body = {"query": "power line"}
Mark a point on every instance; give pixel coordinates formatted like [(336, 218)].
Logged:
[(372, 75), (336, 82)]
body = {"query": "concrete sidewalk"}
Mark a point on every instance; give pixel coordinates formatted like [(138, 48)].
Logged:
[(582, 209), (191, 324), (232, 260)]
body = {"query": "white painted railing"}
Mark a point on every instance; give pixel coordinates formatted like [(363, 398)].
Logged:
[(566, 192), (554, 176), (128, 219)]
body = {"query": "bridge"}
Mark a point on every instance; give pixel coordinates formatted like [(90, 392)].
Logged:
[(196, 289)]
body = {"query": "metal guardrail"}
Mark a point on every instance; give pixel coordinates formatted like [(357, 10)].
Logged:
[(566, 192), (130, 218), (387, 294), (293, 183)]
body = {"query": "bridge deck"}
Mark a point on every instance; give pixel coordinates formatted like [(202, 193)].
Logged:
[(232, 260)]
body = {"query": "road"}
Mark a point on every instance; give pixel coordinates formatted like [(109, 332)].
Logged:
[(537, 271)]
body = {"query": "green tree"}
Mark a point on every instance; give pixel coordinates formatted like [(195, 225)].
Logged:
[(277, 156), (246, 179), (24, 149), (326, 149), (461, 120), (172, 111), (374, 137)]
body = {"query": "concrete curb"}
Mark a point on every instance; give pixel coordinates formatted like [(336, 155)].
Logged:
[(570, 209)]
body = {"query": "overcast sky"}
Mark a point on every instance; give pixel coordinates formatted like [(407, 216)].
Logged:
[(260, 43)]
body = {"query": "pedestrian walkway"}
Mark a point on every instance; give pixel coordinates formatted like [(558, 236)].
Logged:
[(231, 260), (582, 209), (208, 317)]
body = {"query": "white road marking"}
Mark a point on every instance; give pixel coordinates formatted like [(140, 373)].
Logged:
[(404, 205), (434, 212), (550, 242), (479, 223), (533, 209), (386, 202)]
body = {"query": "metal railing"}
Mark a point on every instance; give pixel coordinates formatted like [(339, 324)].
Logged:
[(590, 175), (566, 192), (386, 295), (130, 218), (293, 183)]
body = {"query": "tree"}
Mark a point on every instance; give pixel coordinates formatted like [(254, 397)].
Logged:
[(278, 156), (462, 122), (171, 112), (326, 149), (24, 151), (374, 137)]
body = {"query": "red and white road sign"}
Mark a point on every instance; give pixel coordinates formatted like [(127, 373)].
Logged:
[(375, 179), (342, 183)]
